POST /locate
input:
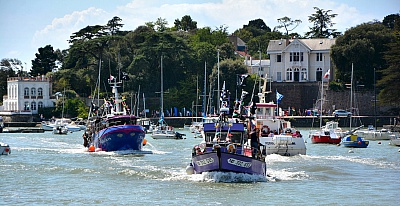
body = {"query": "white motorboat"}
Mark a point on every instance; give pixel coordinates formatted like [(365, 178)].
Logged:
[(67, 123), (286, 145), (373, 134), (395, 140), (4, 149), (60, 129)]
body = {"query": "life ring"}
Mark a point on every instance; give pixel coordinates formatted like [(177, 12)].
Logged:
[(231, 148), (265, 130)]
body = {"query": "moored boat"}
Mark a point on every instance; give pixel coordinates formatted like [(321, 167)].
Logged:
[(374, 134), (4, 149), (395, 140), (354, 141)]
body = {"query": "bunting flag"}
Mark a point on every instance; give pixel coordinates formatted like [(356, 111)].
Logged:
[(111, 78), (278, 97), (223, 93), (327, 74), (125, 76)]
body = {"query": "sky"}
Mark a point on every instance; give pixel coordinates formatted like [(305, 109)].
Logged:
[(28, 25)]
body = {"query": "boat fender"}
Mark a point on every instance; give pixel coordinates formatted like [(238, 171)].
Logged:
[(231, 148), (144, 142), (190, 169), (91, 148)]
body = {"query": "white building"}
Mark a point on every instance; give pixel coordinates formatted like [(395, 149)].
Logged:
[(300, 60), (25, 95)]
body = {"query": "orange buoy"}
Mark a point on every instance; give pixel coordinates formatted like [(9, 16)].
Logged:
[(144, 142), (91, 148)]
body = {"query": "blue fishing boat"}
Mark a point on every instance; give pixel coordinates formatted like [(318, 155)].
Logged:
[(111, 127), (355, 141)]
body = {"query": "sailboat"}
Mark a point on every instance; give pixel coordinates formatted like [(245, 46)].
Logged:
[(59, 127), (352, 139), (330, 133), (162, 130), (110, 127)]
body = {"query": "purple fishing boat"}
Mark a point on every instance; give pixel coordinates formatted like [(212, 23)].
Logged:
[(225, 149)]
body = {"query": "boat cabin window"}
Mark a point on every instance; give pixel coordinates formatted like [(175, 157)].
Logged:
[(235, 137)]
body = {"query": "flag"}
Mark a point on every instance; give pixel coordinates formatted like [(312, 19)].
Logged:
[(327, 74), (278, 97), (111, 77), (223, 93)]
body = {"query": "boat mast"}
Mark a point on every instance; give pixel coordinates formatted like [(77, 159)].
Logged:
[(205, 89), (322, 99), (162, 89), (351, 95)]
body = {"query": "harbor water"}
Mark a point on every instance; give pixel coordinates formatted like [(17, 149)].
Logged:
[(47, 169)]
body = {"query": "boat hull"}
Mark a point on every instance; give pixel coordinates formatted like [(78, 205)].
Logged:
[(284, 145), (355, 141), (4, 149), (121, 137), (325, 139), (228, 162)]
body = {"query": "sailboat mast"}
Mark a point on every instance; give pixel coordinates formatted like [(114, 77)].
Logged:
[(322, 100), (351, 95), (162, 88), (205, 89)]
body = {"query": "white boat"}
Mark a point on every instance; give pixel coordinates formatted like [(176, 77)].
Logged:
[(395, 140), (67, 123), (4, 149), (60, 130), (285, 145), (373, 134), (271, 129), (162, 130)]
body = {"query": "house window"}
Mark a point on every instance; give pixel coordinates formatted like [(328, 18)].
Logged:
[(303, 74), (26, 91), (33, 92), (26, 106), (40, 92), (278, 58), (279, 76), (40, 105), (319, 57), (289, 74), (33, 106), (296, 56), (319, 74)]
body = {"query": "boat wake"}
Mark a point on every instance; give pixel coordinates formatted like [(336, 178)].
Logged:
[(226, 177)]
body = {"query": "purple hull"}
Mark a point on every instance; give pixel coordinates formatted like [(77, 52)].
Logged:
[(121, 137), (228, 162)]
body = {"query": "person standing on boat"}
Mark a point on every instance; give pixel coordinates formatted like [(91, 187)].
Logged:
[(255, 141)]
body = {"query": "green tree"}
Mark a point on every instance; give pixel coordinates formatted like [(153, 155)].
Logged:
[(322, 21), (114, 25), (44, 62), (286, 22), (185, 24), (390, 84), (363, 46)]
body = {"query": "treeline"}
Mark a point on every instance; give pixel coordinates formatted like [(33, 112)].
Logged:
[(189, 52)]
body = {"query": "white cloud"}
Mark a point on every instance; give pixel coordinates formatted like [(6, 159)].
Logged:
[(59, 31)]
